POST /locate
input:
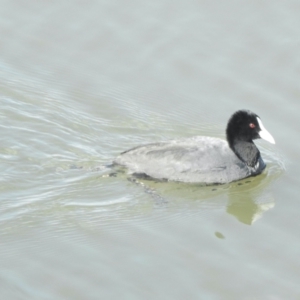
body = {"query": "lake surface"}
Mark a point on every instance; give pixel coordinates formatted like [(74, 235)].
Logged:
[(81, 82)]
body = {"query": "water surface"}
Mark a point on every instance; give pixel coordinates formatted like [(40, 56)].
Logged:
[(81, 82)]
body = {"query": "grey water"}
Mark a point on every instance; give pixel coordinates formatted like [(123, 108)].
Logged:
[(81, 82)]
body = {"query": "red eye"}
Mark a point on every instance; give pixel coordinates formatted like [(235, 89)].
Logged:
[(251, 125)]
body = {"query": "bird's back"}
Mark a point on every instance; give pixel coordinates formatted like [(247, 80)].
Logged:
[(198, 159)]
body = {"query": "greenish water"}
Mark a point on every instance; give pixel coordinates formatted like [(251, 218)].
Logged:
[(81, 82)]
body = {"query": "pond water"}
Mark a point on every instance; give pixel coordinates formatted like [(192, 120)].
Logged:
[(81, 82)]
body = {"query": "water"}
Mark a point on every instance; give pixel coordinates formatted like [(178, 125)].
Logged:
[(82, 81)]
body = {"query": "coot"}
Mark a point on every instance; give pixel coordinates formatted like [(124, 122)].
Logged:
[(203, 159)]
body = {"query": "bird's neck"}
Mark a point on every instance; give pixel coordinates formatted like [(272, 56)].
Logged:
[(246, 151)]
